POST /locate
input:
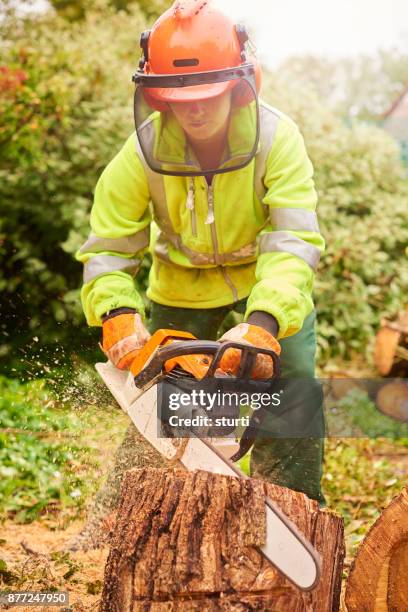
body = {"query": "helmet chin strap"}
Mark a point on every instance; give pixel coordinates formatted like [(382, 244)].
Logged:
[(144, 45), (243, 38)]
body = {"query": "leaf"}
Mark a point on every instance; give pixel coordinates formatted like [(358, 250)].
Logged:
[(70, 572), (94, 588)]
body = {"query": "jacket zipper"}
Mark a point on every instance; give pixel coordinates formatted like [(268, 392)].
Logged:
[(191, 207), (210, 216), (211, 221)]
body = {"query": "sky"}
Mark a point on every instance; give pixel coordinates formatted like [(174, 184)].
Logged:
[(334, 28)]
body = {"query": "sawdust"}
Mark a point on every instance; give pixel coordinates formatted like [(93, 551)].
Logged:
[(34, 555)]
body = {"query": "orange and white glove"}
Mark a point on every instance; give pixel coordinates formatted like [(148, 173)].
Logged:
[(249, 334), (124, 335)]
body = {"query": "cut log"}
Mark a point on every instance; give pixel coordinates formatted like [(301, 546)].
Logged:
[(188, 541), (390, 353), (385, 346), (392, 400), (378, 577)]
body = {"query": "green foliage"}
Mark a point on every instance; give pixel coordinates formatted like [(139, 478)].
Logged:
[(360, 478), (362, 212), (65, 91), (74, 10), (154, 8), (95, 587), (6, 575), (38, 461), (63, 559), (364, 414)]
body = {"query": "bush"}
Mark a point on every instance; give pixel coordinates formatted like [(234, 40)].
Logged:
[(65, 93), (78, 9), (38, 464)]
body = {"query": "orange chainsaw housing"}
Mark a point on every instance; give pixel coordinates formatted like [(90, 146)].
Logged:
[(197, 365)]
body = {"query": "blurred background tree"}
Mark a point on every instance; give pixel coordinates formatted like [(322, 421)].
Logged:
[(363, 86), (74, 10)]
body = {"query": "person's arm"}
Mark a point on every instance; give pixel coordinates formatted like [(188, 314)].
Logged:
[(264, 320), (291, 244), (120, 226)]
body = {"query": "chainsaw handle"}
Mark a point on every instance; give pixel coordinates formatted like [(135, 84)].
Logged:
[(249, 354), (196, 347), (155, 366)]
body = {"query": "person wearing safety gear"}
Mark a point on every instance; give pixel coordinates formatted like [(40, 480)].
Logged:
[(218, 185)]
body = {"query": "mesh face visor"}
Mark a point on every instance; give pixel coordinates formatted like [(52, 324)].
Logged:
[(176, 115)]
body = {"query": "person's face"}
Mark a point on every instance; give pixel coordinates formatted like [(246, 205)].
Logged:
[(203, 119)]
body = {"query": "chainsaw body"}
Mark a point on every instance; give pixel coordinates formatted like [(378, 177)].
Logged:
[(170, 355)]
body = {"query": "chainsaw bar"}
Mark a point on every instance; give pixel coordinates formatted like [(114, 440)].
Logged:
[(285, 547)]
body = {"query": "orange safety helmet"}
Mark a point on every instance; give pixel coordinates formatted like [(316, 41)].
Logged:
[(193, 37), (194, 53)]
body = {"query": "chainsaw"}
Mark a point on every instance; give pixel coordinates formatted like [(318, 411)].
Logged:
[(178, 358)]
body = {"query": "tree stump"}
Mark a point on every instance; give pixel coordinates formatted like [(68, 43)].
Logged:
[(187, 541), (378, 580)]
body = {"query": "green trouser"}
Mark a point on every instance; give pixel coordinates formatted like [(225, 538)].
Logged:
[(291, 462)]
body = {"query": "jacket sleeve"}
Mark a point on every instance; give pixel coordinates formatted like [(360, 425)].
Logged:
[(291, 244), (120, 226)]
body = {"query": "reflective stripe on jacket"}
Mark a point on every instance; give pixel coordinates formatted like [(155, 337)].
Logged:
[(253, 233)]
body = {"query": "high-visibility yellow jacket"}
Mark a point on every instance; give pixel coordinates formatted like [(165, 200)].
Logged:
[(252, 233)]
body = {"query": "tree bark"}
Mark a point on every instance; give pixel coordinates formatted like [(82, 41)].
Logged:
[(378, 580), (188, 541)]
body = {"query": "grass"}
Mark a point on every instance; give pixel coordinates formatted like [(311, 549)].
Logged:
[(50, 462), (367, 467), (361, 476), (364, 415)]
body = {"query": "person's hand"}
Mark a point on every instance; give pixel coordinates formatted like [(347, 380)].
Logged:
[(123, 336), (249, 334)]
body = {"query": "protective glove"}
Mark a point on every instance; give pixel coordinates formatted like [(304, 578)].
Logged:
[(124, 335), (249, 334)]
